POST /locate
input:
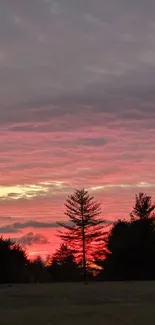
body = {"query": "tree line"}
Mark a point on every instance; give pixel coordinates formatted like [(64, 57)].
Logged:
[(91, 249)]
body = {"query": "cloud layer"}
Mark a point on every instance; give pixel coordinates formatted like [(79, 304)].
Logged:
[(77, 107)]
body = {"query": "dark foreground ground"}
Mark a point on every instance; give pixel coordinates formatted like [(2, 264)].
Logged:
[(72, 304)]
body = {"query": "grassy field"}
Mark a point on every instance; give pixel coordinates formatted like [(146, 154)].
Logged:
[(72, 304)]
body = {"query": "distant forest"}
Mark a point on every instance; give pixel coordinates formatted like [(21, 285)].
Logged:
[(91, 249)]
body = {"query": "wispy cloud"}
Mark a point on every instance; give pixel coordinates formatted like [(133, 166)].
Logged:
[(30, 191), (137, 186), (31, 238), (18, 226), (5, 218)]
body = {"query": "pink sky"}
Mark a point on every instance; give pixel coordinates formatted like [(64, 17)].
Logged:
[(76, 110), (40, 169)]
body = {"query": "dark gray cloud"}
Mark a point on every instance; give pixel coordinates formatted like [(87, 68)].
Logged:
[(34, 224), (95, 51), (30, 239), (8, 229), (18, 226)]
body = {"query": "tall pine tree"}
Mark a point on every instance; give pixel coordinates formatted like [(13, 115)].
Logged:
[(85, 232)]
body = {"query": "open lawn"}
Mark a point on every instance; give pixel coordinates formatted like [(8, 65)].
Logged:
[(72, 304)]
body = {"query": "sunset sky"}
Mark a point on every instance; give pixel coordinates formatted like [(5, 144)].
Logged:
[(77, 109)]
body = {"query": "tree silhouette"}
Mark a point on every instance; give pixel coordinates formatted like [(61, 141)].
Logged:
[(116, 252), (143, 207), (130, 247), (14, 262), (85, 231), (63, 266), (38, 270)]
